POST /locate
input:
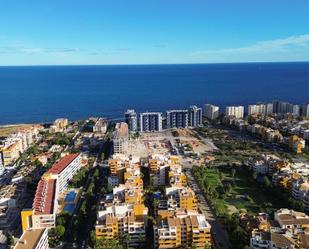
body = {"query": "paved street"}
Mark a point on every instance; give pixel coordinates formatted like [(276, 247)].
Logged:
[(219, 234)]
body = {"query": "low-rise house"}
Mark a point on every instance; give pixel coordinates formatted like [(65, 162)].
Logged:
[(296, 144), (289, 230), (100, 126)]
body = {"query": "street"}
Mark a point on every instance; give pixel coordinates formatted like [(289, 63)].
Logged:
[(219, 234)]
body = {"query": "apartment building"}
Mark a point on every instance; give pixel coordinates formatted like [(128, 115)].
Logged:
[(181, 197), (118, 165), (260, 108), (100, 126), (59, 125), (288, 231), (300, 192), (52, 183), (175, 175), (10, 153), (120, 138), (177, 119), (182, 229), (11, 198), (1, 164), (263, 164), (17, 143), (33, 239), (44, 208), (64, 170), (125, 222), (296, 144), (305, 110), (211, 111), (131, 119), (236, 111), (195, 116), (150, 121), (268, 134), (158, 169), (290, 219), (281, 107)]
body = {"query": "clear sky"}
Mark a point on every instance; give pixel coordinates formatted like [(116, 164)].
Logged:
[(152, 31)]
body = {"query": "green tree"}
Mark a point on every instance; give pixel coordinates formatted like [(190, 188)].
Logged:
[(207, 246), (60, 230), (102, 156), (37, 163), (107, 244), (62, 218), (254, 175), (233, 172), (9, 240), (266, 182)]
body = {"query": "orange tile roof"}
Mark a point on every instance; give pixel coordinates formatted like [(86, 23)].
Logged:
[(58, 167), (43, 202)]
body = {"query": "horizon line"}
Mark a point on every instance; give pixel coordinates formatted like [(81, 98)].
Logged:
[(154, 64)]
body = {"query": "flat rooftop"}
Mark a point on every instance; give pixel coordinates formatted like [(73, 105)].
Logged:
[(29, 239)]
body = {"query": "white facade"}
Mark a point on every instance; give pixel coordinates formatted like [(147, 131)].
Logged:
[(211, 111), (257, 241), (236, 111), (66, 174), (263, 109)]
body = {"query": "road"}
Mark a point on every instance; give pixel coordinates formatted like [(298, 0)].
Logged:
[(219, 234)]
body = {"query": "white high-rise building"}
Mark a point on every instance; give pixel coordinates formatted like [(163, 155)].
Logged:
[(211, 111), (296, 110), (236, 111), (260, 108), (195, 116)]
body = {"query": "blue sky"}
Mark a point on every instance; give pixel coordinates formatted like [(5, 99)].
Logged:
[(152, 31)]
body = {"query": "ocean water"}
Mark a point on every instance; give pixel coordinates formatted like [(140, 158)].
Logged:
[(43, 93)]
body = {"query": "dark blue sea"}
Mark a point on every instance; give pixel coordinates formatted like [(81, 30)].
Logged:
[(43, 93)]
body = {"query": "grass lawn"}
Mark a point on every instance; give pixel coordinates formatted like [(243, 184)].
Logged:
[(212, 177), (245, 193)]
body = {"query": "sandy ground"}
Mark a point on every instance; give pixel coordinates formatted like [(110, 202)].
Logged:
[(162, 142), (6, 130), (149, 144)]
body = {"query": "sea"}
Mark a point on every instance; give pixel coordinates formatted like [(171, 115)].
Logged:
[(39, 94)]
